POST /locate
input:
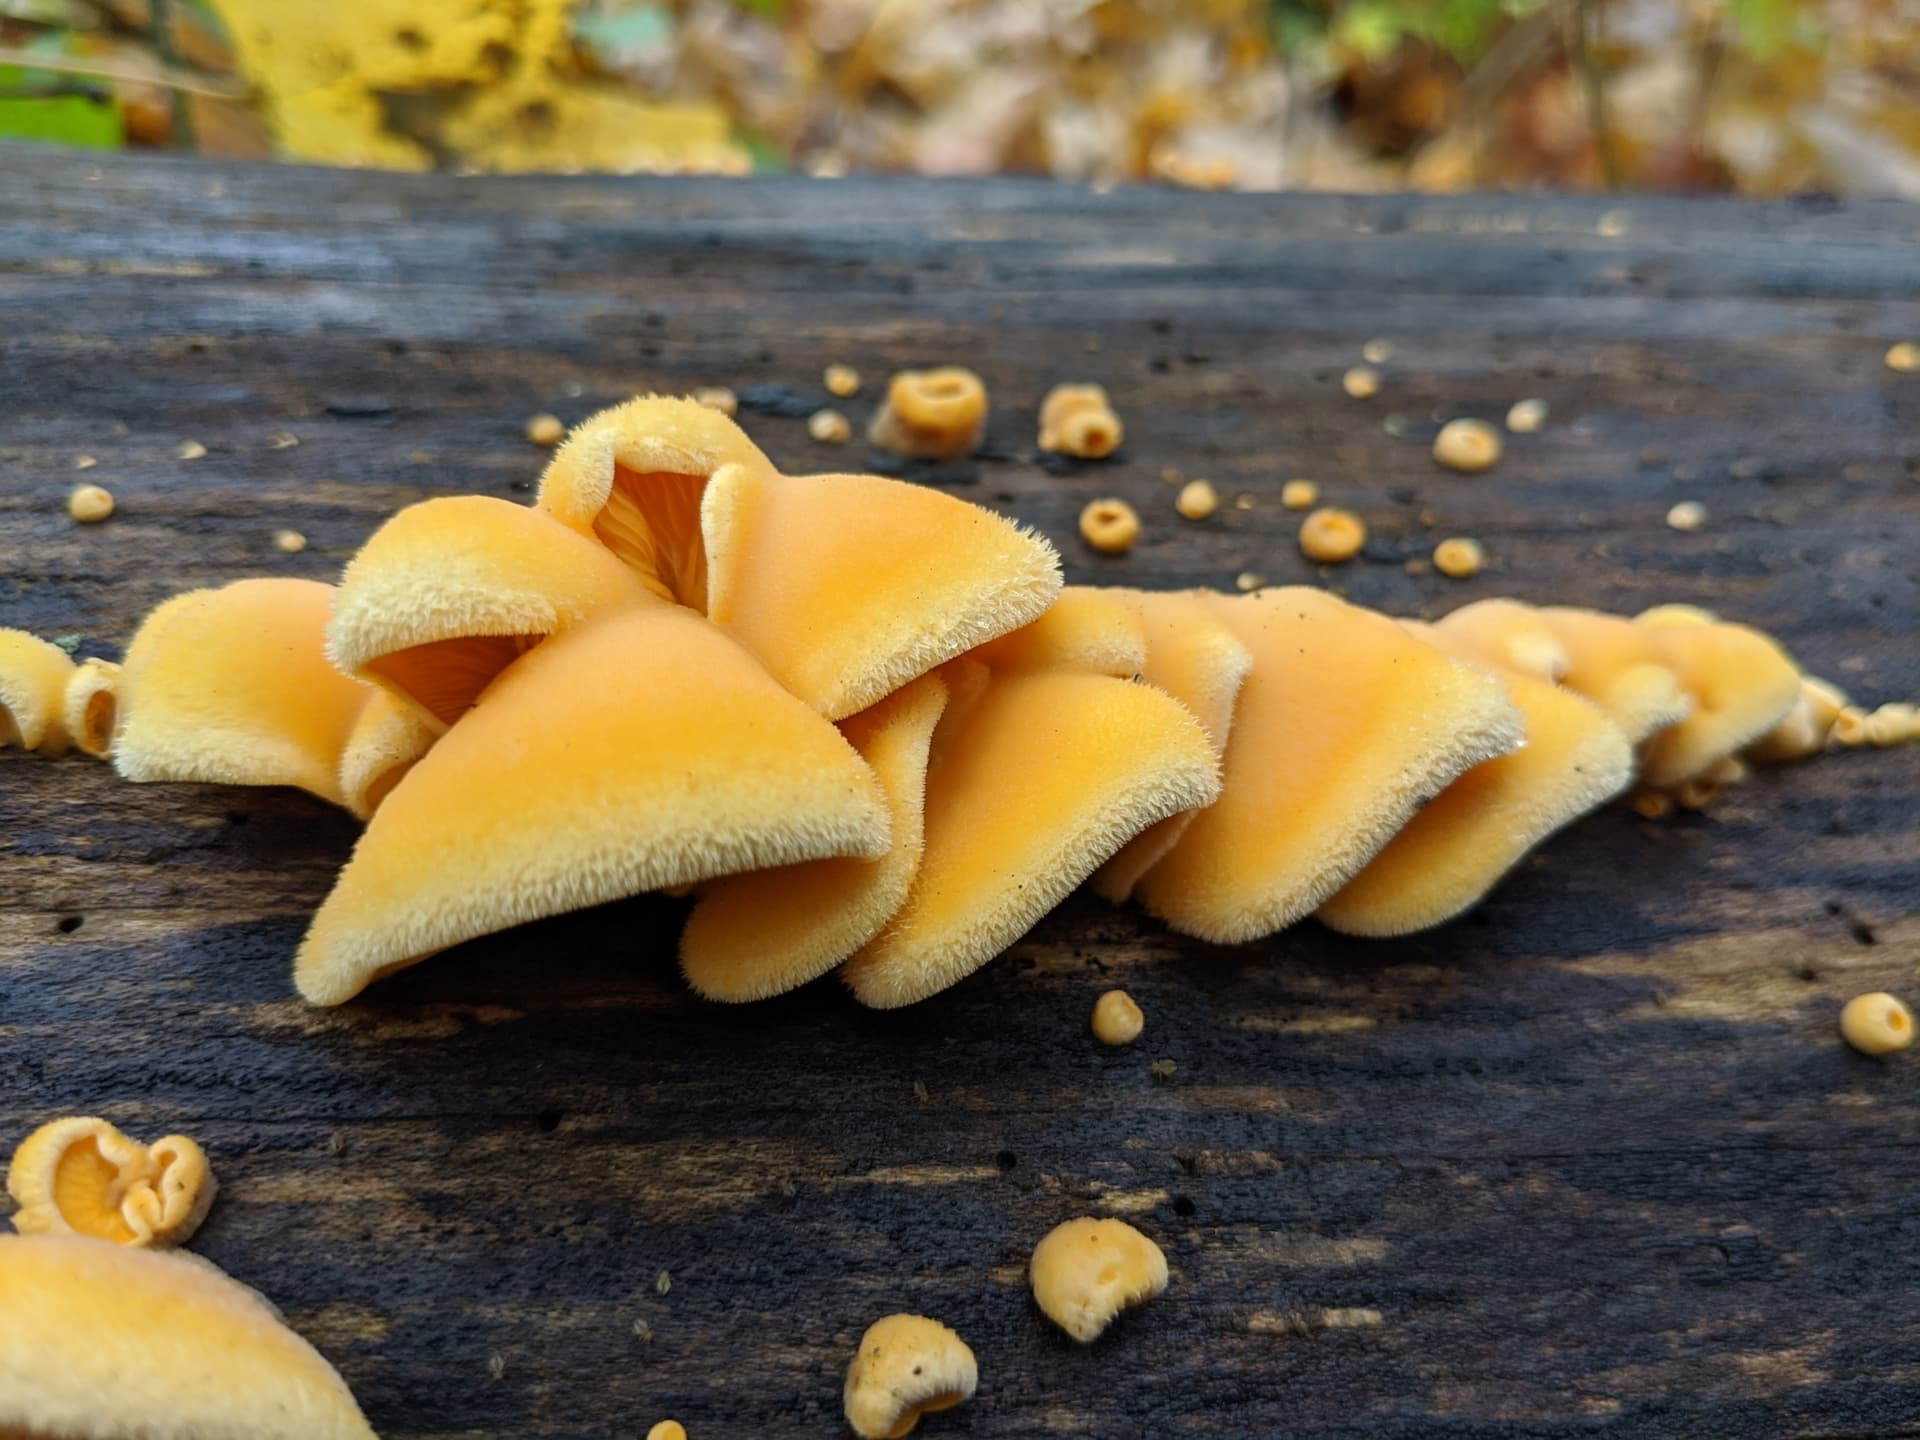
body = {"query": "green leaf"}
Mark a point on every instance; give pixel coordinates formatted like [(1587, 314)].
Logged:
[(68, 643), (62, 120)]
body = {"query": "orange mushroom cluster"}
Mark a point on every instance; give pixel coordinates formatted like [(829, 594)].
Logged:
[(865, 726)]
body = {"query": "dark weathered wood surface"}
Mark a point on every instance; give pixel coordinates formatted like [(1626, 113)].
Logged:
[(1592, 1161)]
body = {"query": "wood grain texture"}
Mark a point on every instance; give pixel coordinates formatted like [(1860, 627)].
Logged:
[(1591, 1161)]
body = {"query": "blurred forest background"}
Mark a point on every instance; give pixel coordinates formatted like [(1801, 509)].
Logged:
[(1759, 97)]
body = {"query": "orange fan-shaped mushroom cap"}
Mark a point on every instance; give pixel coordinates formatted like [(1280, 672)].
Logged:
[(81, 1176), (760, 934), (233, 687), (1344, 728), (1088, 628), (849, 586), (1448, 856), (33, 692), (106, 1342), (638, 751), (1036, 779), (1194, 657), (1741, 684), (387, 738), (1510, 635), (92, 706), (449, 592), (1619, 667)]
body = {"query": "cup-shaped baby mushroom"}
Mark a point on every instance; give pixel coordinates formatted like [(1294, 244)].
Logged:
[(33, 692), (937, 414), (1619, 667), (1117, 1018), (849, 586), (1088, 628), (1448, 856), (1036, 778), (1195, 658), (1079, 420), (640, 750), (1085, 1272), (111, 1343), (233, 687), (1511, 635), (91, 706), (387, 738), (752, 936), (1345, 726), (449, 592), (1741, 685), (1805, 729), (1876, 1024), (907, 1366), (633, 476), (81, 1176)]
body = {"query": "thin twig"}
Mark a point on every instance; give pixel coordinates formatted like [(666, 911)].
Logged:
[(1596, 96), (166, 78)]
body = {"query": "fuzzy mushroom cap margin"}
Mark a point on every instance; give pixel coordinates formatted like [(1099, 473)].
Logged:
[(33, 688), (907, 1366), (639, 751), (1085, 1272), (102, 1342)]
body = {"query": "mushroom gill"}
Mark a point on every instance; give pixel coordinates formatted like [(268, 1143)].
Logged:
[(449, 592), (1344, 728), (641, 750), (633, 476)]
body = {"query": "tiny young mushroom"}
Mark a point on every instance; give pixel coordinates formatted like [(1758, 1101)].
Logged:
[(1876, 1024), (1079, 420), (1110, 525), (1467, 445), (1456, 848), (1086, 1272), (233, 687), (1345, 726), (667, 1430), (1117, 1018), (937, 414), (34, 675), (907, 1366), (640, 750), (91, 707), (81, 1176), (114, 1343)]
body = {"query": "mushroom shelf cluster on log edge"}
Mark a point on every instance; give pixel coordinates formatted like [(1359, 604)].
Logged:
[(865, 724)]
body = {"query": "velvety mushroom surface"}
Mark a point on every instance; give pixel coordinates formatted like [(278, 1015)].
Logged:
[(866, 726)]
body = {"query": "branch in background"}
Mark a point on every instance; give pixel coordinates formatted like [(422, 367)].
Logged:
[(166, 78), (1596, 94)]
